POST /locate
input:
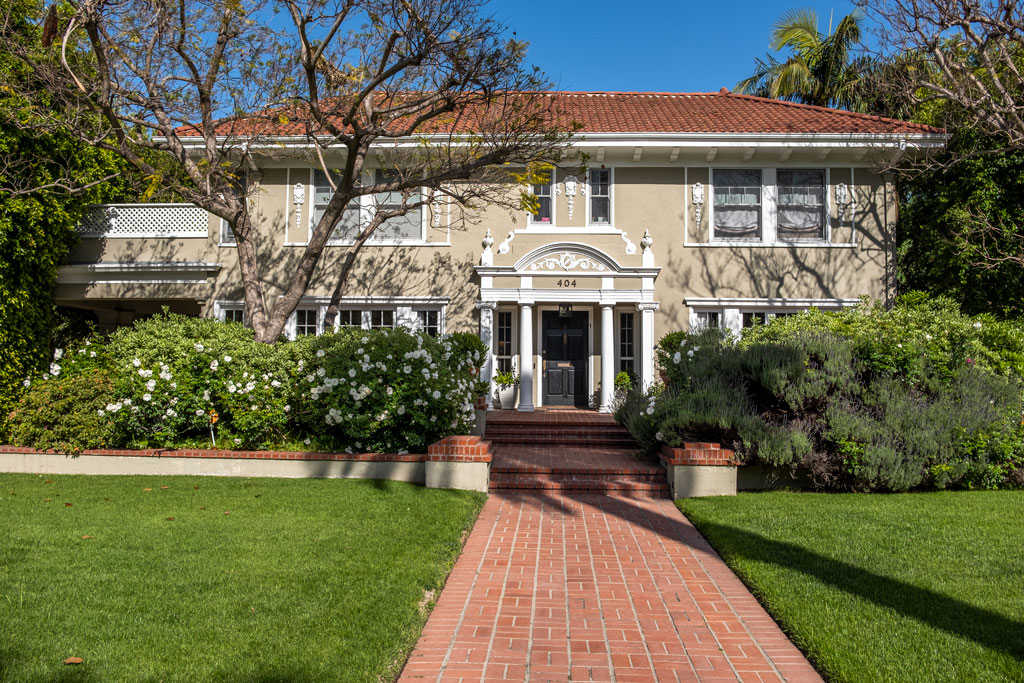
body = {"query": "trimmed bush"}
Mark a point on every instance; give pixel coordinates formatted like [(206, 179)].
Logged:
[(176, 381)]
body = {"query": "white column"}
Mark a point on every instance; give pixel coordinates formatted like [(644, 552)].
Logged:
[(647, 342), (607, 358), (526, 358), (487, 337)]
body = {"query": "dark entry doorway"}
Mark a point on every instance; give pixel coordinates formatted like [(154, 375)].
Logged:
[(565, 350)]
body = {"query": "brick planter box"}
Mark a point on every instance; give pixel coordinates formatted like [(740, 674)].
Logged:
[(699, 469), (459, 462)]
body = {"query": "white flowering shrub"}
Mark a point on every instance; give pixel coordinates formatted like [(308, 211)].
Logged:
[(389, 390), (175, 381)]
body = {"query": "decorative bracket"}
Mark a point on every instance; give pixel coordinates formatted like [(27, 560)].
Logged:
[(698, 202), (843, 200), (487, 257), (298, 199), (630, 247), (503, 248)]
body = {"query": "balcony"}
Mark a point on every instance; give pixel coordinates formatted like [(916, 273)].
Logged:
[(145, 220)]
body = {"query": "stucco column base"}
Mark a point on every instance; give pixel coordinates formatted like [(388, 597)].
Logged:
[(699, 469), (694, 481), (469, 476)]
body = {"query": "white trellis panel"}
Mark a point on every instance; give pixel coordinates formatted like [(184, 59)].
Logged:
[(145, 220)]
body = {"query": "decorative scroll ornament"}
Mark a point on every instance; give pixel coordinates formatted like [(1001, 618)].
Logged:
[(435, 210), (487, 257), (698, 201), (566, 261), (571, 185), (298, 199), (503, 248), (843, 200), (630, 247)]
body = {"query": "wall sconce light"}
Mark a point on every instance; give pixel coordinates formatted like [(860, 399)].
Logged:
[(564, 310)]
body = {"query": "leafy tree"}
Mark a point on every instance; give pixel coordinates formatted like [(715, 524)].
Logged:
[(432, 88), (37, 213), (961, 229), (821, 68)]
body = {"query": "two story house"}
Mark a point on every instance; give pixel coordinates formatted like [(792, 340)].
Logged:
[(695, 209)]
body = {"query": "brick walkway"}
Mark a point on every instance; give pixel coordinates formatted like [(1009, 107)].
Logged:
[(596, 588)]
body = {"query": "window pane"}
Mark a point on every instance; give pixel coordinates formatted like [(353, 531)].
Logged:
[(503, 346), (801, 204), (348, 317), (751, 319), (306, 322), (429, 322), (626, 335), (234, 315), (599, 210), (707, 320), (737, 201), (226, 236), (405, 227), (382, 318)]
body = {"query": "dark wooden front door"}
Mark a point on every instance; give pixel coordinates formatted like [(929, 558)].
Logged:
[(565, 352)]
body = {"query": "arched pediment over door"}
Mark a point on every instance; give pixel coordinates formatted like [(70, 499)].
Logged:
[(566, 257)]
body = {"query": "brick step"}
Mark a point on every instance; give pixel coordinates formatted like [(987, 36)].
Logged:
[(547, 440), (596, 485), (628, 470), (579, 436)]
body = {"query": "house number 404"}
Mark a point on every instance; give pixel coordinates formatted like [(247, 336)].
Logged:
[(566, 283)]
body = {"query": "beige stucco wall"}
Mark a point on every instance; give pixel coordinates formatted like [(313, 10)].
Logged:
[(645, 198)]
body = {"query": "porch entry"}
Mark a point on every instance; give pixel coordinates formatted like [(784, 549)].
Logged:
[(565, 353)]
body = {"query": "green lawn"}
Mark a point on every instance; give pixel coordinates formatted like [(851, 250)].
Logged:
[(219, 578), (913, 587)]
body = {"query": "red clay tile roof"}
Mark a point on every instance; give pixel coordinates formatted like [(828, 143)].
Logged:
[(653, 112)]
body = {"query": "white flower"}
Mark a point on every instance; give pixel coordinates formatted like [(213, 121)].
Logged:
[(170, 413), (54, 369), (677, 357), (113, 407), (253, 407), (287, 408), (659, 436), (227, 359), (306, 441), (206, 395), (433, 418), (147, 397), (92, 354), (401, 410), (200, 348), (690, 353), (145, 373), (351, 372), (27, 383), (977, 325), (320, 353), (650, 410), (151, 384), (100, 413), (389, 391), (58, 354), (199, 412), (899, 346), (275, 384), (214, 365), (136, 362), (365, 339), (436, 394), (238, 442), (407, 369), (127, 401), (928, 337)]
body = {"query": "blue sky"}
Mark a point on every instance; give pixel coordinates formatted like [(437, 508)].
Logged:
[(649, 46)]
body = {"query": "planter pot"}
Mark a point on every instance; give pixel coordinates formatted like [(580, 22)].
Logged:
[(507, 396)]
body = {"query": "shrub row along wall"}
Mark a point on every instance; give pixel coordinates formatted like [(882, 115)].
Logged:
[(914, 397), (461, 462), (179, 382)]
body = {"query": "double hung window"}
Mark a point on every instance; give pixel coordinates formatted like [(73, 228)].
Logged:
[(709, 320), (381, 318), (429, 321), (232, 314), (350, 317), (801, 214), (402, 228), (737, 204), (600, 196), (542, 191), (348, 227)]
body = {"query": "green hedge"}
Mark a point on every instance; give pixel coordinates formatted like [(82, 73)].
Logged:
[(919, 396), (177, 381)]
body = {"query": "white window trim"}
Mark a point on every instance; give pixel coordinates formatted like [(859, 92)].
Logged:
[(220, 307), (552, 187), (611, 199)]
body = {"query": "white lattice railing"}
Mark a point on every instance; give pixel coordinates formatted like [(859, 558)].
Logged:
[(145, 220)]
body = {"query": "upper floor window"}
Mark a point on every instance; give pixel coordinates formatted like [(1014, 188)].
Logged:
[(801, 214), (348, 227), (542, 191), (737, 204), (406, 227), (601, 196)]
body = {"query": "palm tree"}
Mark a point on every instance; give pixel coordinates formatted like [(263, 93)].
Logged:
[(820, 69)]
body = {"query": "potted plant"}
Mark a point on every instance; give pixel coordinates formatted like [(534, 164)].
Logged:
[(508, 385)]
